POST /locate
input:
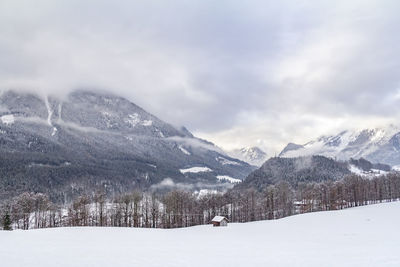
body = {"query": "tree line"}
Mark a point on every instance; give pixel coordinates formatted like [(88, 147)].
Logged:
[(179, 208)]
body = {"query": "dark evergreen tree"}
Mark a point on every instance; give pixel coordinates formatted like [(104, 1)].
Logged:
[(7, 222)]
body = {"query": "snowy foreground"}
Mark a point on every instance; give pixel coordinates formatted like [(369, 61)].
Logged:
[(364, 236)]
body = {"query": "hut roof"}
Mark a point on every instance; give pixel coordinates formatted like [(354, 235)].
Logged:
[(219, 219)]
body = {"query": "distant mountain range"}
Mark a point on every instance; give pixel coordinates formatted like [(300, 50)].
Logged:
[(376, 145), (252, 155), (92, 141), (308, 169), (97, 141)]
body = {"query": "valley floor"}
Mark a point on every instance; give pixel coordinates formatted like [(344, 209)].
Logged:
[(363, 236)]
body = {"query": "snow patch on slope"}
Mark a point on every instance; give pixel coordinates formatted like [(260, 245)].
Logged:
[(54, 131), (7, 119), (372, 173), (184, 151), (228, 179), (356, 170), (195, 170), (160, 133), (133, 119), (50, 115), (147, 123), (49, 111)]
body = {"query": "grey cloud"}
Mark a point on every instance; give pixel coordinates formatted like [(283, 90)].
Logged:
[(195, 144), (238, 73)]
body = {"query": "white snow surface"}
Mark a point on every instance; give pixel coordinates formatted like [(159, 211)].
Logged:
[(54, 131), (363, 236), (354, 169), (147, 123), (229, 179), (49, 112), (184, 151), (195, 170), (376, 138), (7, 119), (161, 134), (374, 172), (133, 119), (252, 155)]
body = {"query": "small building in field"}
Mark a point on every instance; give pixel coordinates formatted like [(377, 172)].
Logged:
[(219, 221)]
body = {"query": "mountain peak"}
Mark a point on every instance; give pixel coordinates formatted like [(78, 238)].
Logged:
[(252, 155), (376, 145)]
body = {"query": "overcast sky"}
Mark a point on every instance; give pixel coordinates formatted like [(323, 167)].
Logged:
[(238, 73)]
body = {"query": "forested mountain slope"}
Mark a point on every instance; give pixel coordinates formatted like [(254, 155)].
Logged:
[(91, 141), (309, 169), (295, 171)]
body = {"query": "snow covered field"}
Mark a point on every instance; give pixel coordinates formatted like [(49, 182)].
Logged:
[(364, 236)]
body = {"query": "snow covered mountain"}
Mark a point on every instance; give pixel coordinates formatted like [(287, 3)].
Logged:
[(96, 141), (252, 155), (376, 145)]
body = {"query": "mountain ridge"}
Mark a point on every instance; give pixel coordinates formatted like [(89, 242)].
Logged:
[(309, 169), (252, 155), (378, 145), (98, 141)]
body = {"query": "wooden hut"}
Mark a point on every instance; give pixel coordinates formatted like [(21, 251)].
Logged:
[(219, 221)]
